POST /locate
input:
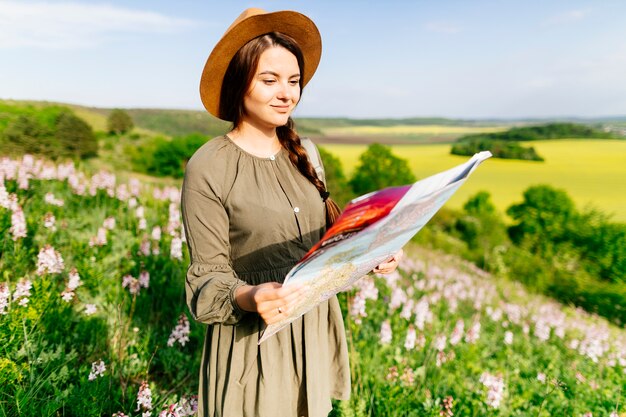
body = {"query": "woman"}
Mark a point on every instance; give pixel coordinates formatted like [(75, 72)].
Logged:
[(252, 207)]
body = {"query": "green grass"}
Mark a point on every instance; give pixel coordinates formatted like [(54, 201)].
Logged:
[(591, 171)]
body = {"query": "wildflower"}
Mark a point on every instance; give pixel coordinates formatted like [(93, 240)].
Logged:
[(49, 221), (408, 377), (139, 212), (155, 249), (176, 250), (100, 239), (143, 224), (613, 414), (385, 333), (407, 309), (457, 333), (398, 297), (109, 223), (588, 414), (156, 233), (189, 405), (508, 337), (473, 333), (144, 248), (180, 333), (144, 398), (411, 337), (132, 283), (119, 414), (422, 313), (97, 369), (74, 280), (440, 342), (18, 224), (392, 373), (49, 261), (51, 199), (144, 279), (446, 407), (67, 295), (5, 294), (495, 389), (580, 378), (357, 307), (90, 309), (4, 197), (541, 377), (22, 292), (132, 202)]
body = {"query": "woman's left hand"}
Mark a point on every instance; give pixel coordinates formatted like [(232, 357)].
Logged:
[(390, 265)]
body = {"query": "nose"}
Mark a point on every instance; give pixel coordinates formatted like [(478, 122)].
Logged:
[(284, 92)]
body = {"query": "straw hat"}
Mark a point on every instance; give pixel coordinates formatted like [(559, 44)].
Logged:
[(249, 25)]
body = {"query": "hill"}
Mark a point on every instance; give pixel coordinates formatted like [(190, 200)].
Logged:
[(92, 313)]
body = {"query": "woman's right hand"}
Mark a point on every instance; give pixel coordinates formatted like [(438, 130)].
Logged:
[(271, 300)]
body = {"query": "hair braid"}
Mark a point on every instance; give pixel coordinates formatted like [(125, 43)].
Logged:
[(290, 140)]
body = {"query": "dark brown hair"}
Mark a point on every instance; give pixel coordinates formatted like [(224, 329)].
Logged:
[(237, 79)]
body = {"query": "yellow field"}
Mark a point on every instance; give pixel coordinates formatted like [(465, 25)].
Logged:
[(409, 130), (591, 171)]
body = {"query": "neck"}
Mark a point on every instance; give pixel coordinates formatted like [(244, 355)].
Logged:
[(258, 140)]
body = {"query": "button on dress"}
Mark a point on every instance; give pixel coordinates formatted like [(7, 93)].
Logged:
[(249, 220)]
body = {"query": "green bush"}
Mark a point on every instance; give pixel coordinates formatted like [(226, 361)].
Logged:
[(336, 181), (379, 168), (163, 157), (119, 122), (498, 148)]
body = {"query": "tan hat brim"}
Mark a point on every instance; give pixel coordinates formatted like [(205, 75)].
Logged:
[(294, 24)]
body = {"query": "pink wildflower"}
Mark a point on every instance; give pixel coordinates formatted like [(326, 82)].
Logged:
[(109, 223), (22, 292), (156, 233), (134, 285), (385, 333), (100, 239), (49, 261), (118, 414), (508, 337), (176, 249), (357, 307), (144, 398), (143, 224), (457, 333), (144, 279), (144, 247), (5, 295), (181, 332), (392, 373), (440, 342), (408, 377), (541, 377), (90, 309), (97, 369), (18, 224), (4, 197), (411, 337), (51, 199), (473, 334), (495, 389), (49, 221), (446, 407), (422, 313)]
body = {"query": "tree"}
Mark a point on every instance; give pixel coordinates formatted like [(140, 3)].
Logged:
[(25, 134), (75, 136), (379, 168), (544, 219), (119, 122)]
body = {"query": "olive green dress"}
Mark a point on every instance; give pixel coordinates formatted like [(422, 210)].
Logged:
[(248, 220)]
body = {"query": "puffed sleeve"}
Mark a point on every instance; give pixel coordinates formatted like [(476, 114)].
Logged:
[(211, 281)]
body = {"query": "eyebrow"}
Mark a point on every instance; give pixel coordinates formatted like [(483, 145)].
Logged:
[(276, 74)]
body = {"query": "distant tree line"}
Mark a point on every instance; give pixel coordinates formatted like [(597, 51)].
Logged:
[(505, 144)]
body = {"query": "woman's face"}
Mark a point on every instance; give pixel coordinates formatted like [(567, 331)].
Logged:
[(274, 90)]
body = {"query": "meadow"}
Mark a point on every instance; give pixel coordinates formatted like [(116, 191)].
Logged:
[(593, 172), (93, 318), (404, 133)]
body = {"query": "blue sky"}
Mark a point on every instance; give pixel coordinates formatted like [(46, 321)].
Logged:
[(466, 59)]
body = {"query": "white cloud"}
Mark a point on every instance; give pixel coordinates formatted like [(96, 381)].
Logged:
[(442, 27), (569, 16), (73, 25)]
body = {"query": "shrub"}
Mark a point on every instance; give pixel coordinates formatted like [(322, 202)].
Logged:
[(75, 136), (119, 122), (379, 168), (336, 181)]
